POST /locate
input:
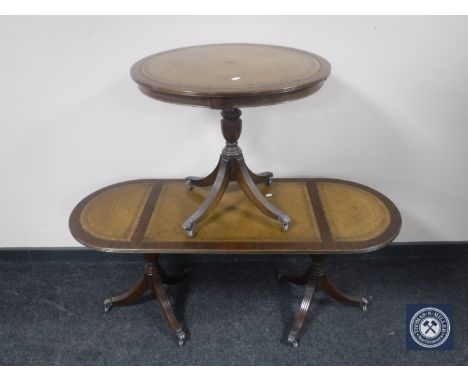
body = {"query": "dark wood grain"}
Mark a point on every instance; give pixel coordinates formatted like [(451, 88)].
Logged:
[(232, 167), (325, 233), (154, 279), (146, 215), (317, 280)]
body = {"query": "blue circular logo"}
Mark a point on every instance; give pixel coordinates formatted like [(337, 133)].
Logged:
[(430, 327)]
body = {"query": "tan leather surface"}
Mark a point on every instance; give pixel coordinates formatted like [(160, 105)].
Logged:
[(353, 214), (235, 218), (114, 214), (349, 212), (240, 68)]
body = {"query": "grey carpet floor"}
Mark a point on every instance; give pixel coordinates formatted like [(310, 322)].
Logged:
[(236, 313)]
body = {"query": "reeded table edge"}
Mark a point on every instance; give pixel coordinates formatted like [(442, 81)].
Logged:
[(225, 99), (193, 247)]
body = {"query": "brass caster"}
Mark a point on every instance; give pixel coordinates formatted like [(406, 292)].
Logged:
[(107, 304), (293, 341), (364, 304), (181, 338), (285, 221), (188, 228)]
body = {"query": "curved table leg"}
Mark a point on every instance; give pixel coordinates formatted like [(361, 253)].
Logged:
[(160, 295), (231, 167), (299, 280), (194, 181), (332, 291), (261, 177), (257, 198), (303, 310), (317, 280), (211, 201), (153, 280), (169, 279), (127, 298)]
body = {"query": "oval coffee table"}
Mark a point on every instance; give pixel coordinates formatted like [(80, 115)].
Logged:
[(228, 77), (143, 216)]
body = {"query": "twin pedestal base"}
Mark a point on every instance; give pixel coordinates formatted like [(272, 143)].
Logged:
[(155, 277)]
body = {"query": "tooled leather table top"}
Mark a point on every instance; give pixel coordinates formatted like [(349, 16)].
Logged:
[(145, 216), (224, 76)]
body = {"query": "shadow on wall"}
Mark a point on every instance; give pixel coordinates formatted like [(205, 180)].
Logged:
[(335, 132)]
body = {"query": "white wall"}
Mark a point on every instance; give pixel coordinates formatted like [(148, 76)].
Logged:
[(393, 114)]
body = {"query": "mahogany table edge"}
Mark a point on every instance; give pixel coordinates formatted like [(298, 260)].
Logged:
[(220, 247)]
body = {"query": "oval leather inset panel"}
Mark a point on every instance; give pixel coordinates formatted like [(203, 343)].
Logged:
[(353, 214), (114, 214)]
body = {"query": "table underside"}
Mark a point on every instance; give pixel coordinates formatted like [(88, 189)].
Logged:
[(145, 216)]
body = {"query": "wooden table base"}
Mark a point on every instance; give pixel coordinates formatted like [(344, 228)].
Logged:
[(317, 280), (153, 280), (144, 217), (232, 167)]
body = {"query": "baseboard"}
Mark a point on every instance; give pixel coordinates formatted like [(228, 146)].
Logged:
[(413, 250)]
